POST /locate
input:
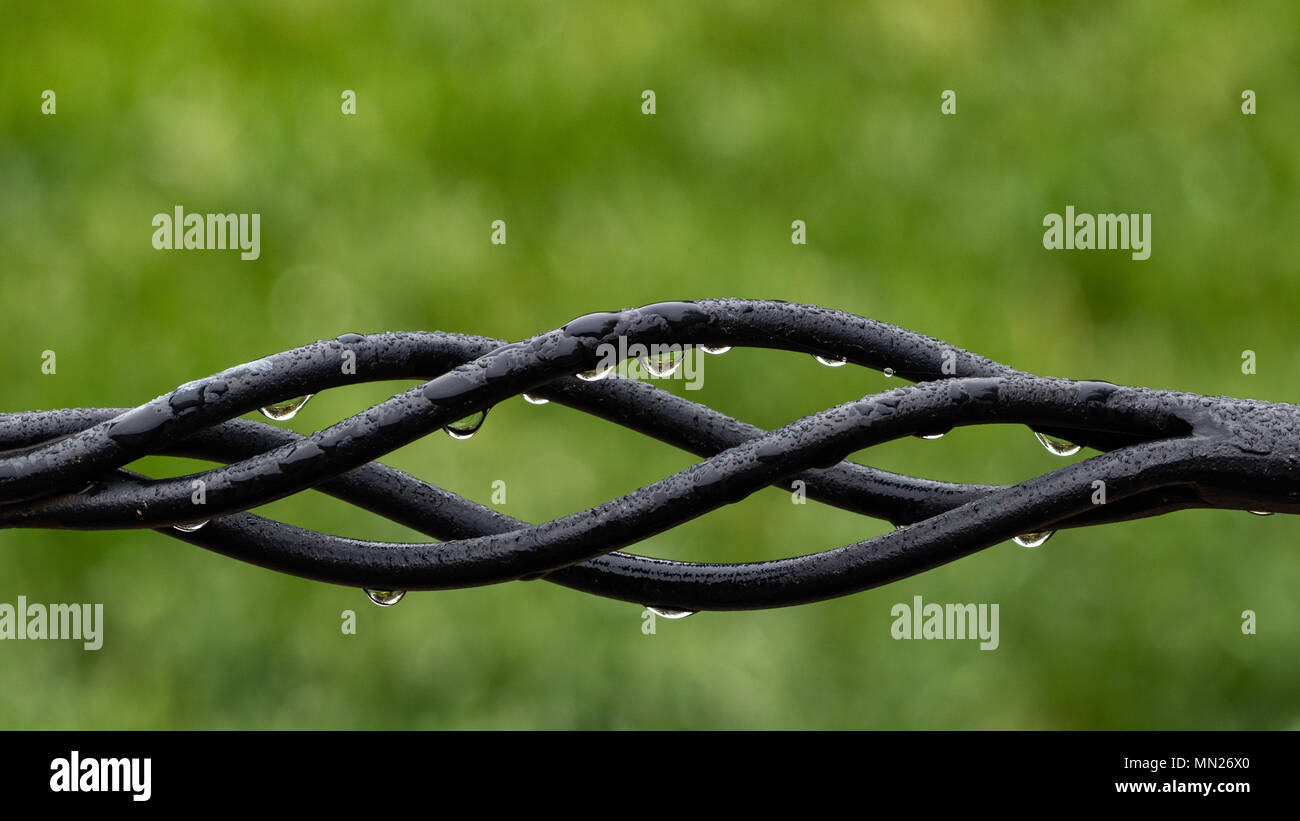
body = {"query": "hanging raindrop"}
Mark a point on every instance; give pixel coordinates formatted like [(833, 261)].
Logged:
[(284, 411), (830, 361), (1057, 446), (1033, 539), (664, 612), (664, 364), (385, 598), (467, 427)]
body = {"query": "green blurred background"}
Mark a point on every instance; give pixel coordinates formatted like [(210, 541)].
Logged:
[(531, 113)]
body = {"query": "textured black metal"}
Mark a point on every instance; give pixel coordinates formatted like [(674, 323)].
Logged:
[(1160, 451)]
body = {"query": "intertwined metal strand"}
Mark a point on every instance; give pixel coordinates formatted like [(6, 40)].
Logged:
[(1160, 451)]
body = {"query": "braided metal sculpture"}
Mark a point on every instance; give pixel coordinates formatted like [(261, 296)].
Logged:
[(1161, 451)]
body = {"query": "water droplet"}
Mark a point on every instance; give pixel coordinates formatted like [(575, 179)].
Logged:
[(715, 351), (596, 374), (664, 364), (284, 411), (1033, 539), (930, 435), (137, 427), (449, 386), (535, 400), (888, 372), (1262, 512), (1096, 390), (830, 361), (467, 427), (385, 598), (1057, 446), (186, 399), (592, 325), (191, 527), (674, 312), (666, 613)]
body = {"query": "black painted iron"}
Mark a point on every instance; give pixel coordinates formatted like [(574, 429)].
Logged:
[(1160, 451)]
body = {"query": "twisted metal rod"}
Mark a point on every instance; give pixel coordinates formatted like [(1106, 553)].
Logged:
[(1160, 451)]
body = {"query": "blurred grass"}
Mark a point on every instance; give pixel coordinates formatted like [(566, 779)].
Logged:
[(530, 112)]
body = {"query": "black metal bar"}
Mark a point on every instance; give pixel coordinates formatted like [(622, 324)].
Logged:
[(1162, 451)]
